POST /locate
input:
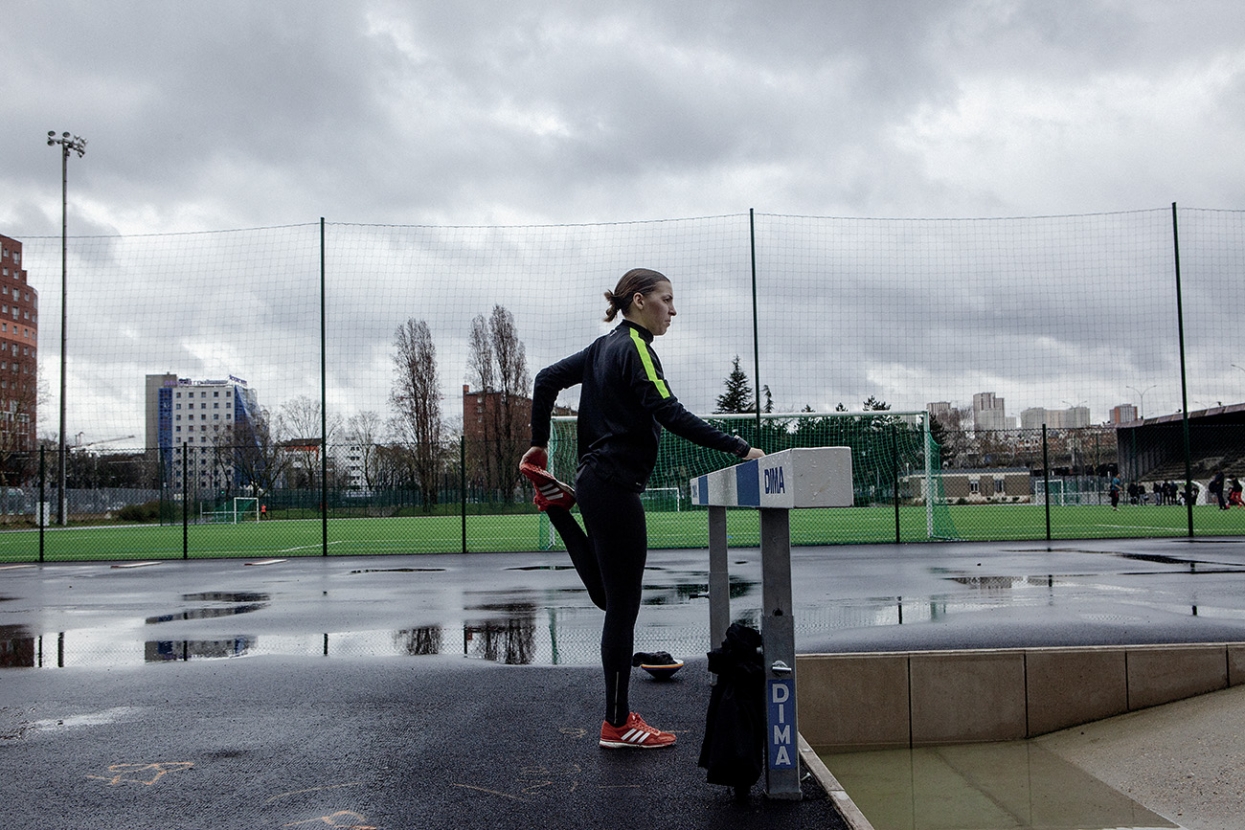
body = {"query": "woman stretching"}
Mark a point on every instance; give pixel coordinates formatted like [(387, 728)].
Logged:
[(624, 402)]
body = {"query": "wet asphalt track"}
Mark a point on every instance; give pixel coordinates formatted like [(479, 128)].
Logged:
[(437, 742), (372, 692)]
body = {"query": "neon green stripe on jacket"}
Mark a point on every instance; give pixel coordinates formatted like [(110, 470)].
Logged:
[(646, 359)]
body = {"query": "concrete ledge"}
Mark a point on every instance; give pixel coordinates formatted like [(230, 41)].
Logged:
[(1069, 687), (847, 808), (861, 701), (967, 696), (894, 699), (1161, 675)]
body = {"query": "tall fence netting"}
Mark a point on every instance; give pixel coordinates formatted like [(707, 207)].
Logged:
[(330, 326)]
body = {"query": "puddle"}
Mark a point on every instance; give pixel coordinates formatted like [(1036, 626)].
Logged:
[(542, 568), (997, 786), (398, 571), (17, 647), (246, 602), (163, 651)]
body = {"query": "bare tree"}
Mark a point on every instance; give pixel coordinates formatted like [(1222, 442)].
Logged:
[(950, 431), (498, 363), (365, 430), (258, 457), (416, 400), (301, 419), (480, 359)]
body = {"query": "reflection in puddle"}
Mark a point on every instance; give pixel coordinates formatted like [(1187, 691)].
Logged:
[(542, 568), (206, 613), (225, 596), (983, 787), (17, 647), (416, 642), (398, 571), (247, 601), (511, 640), (162, 651)]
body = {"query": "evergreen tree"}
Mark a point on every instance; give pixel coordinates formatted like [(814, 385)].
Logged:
[(738, 395)]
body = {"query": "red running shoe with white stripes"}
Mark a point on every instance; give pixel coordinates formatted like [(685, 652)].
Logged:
[(634, 734), (549, 491)]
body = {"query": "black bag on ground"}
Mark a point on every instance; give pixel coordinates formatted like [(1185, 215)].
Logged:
[(733, 751)]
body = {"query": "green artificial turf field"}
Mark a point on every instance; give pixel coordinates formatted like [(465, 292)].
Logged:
[(525, 532)]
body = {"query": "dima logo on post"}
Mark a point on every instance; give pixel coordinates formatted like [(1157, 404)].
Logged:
[(774, 481)]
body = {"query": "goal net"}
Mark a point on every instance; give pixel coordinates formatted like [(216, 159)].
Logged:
[(243, 509), (896, 474)]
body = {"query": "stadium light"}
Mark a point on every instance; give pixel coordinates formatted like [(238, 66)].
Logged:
[(68, 144), (1142, 395)]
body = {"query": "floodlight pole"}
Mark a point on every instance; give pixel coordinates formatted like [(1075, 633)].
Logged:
[(1142, 396), (68, 143)]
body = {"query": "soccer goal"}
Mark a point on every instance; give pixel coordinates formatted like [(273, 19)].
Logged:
[(895, 461), (243, 509), (668, 499), (1054, 496)]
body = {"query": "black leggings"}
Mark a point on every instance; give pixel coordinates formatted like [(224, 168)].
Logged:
[(610, 559)]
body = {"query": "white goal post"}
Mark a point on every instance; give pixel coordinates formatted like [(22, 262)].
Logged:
[(243, 509)]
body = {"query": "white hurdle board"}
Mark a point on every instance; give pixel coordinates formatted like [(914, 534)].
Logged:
[(806, 477), (792, 479)]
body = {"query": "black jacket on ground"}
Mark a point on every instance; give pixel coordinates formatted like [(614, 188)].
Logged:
[(733, 752)]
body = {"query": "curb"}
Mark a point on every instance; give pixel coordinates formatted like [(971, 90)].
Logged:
[(842, 801)]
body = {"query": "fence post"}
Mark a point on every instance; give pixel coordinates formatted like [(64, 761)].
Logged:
[(895, 473), (756, 342), (43, 480), (185, 503), (324, 414), (1046, 478), (1184, 385), (462, 484)]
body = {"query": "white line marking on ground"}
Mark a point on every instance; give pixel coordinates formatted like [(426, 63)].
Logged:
[(305, 547)]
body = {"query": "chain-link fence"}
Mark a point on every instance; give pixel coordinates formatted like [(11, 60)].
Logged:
[(1091, 482), (232, 359)]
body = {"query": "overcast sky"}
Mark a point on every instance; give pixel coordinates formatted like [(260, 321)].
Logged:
[(227, 115)]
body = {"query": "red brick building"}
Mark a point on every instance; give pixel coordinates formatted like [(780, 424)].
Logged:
[(19, 341), (497, 431)]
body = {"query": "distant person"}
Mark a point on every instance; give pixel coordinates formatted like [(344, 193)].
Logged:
[(624, 402), (1190, 495), (1115, 492), (1215, 488), (1234, 492)]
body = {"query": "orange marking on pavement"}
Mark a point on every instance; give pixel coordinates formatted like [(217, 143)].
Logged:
[(132, 772)]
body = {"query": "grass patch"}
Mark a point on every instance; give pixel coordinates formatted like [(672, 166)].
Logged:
[(524, 532)]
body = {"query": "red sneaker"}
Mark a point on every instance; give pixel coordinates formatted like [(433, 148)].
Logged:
[(634, 734), (549, 491)]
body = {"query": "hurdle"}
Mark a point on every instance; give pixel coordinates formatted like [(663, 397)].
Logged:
[(776, 484)]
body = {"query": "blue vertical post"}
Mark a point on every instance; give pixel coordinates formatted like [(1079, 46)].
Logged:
[(778, 635)]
